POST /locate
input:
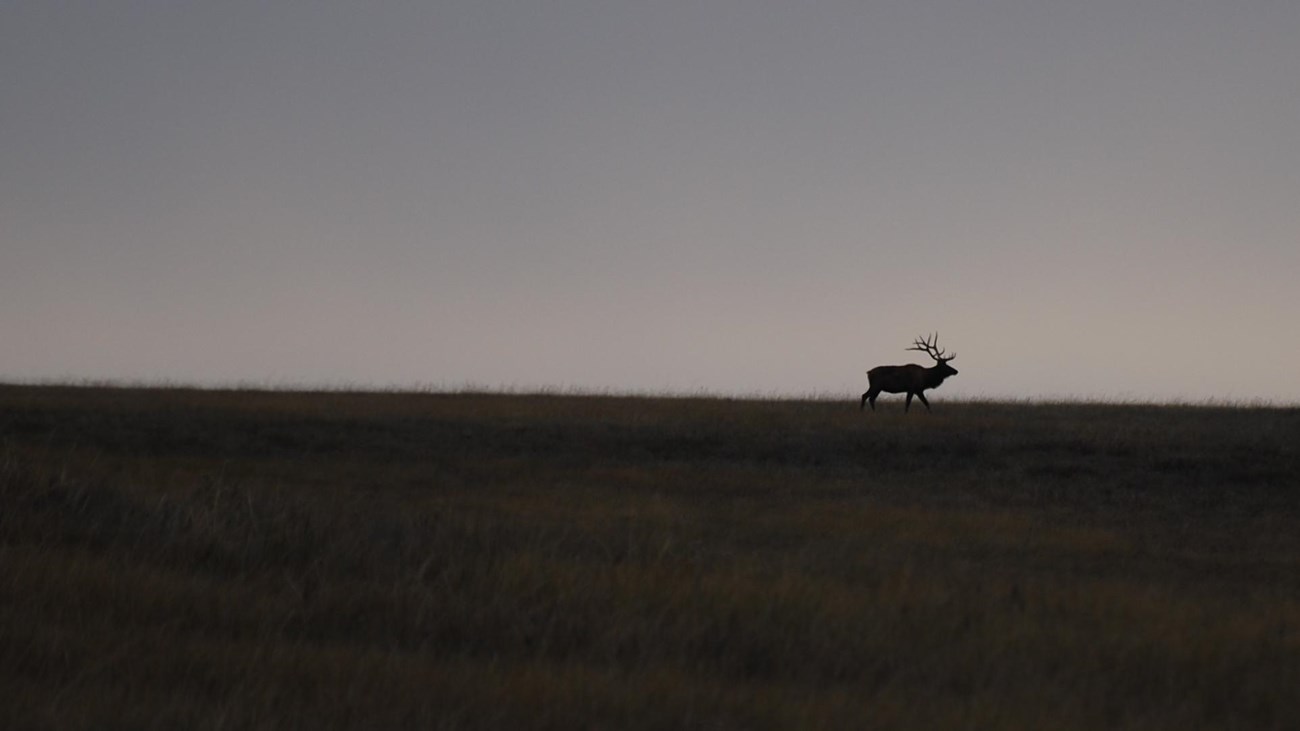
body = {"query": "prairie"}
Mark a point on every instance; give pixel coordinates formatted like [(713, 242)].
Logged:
[(179, 558)]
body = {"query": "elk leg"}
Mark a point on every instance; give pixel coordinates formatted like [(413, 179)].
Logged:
[(922, 397), (908, 405), (869, 396)]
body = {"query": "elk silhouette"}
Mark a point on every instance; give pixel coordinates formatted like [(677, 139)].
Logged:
[(911, 379)]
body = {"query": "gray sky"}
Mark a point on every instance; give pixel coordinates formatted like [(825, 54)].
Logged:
[(1092, 199)]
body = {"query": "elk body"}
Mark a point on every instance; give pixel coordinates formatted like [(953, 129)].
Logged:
[(911, 379)]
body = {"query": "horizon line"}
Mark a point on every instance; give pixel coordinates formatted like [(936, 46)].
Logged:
[(578, 391)]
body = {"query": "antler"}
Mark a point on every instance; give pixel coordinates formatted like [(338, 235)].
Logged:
[(930, 346)]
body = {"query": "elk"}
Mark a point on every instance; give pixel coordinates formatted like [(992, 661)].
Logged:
[(911, 379)]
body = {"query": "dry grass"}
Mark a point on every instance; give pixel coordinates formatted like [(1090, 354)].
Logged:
[(190, 559)]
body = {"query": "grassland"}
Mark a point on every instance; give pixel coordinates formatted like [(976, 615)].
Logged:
[(175, 558)]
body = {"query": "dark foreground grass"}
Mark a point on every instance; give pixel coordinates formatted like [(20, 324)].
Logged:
[(203, 560)]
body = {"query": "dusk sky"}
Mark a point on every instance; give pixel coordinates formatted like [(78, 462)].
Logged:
[(1092, 199)]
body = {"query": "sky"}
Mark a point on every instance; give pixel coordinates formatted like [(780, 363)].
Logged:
[(1084, 199)]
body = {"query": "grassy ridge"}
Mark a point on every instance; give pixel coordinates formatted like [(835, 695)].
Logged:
[(261, 559)]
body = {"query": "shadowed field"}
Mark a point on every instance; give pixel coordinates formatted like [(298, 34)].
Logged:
[(191, 559)]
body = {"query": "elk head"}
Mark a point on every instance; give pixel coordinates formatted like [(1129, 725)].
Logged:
[(930, 346)]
